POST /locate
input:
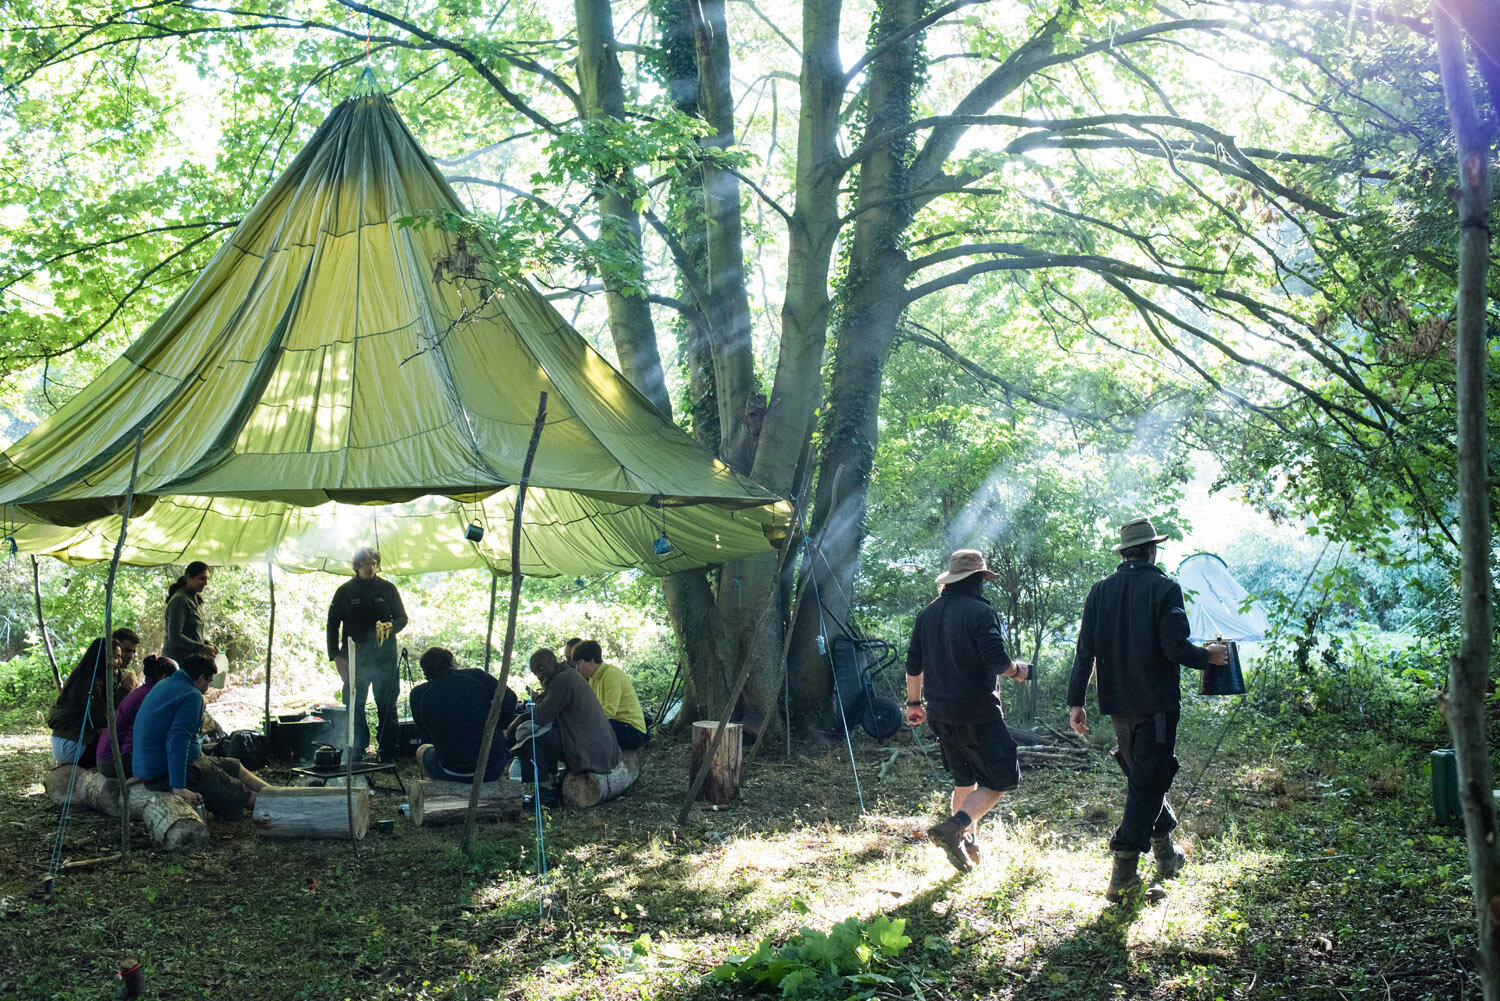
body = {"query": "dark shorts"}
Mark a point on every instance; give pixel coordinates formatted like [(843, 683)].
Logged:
[(217, 780), (979, 753)]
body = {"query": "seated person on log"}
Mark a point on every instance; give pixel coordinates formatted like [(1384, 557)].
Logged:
[(616, 694), (450, 709), (155, 668), (579, 736), (166, 754), (81, 712)]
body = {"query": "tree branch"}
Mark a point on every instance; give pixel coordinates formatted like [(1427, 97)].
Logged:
[(485, 73), (918, 26)]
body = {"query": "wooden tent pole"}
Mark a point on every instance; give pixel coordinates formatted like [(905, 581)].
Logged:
[(270, 637), (41, 620), (489, 633), (497, 701), (109, 647), (349, 746)]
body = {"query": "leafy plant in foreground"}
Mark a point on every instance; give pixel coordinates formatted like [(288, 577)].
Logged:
[(843, 962)]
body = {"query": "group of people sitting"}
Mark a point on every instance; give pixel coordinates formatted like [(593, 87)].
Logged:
[(585, 714), (158, 723)]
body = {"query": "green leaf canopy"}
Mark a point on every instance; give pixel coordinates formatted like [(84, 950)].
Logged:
[(338, 377)]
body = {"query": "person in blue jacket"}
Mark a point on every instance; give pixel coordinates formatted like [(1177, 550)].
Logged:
[(166, 755)]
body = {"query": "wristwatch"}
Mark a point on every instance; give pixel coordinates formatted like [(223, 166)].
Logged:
[(909, 702)]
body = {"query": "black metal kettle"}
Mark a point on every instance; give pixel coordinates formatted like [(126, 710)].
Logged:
[(1225, 679)]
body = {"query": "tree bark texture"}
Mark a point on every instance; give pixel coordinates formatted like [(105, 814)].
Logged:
[(310, 813), (728, 308), (171, 823), (722, 784), (749, 586), (1469, 682), (630, 323), (590, 789), (434, 802), (871, 303)]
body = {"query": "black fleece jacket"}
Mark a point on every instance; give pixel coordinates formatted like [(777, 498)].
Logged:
[(957, 648), (1134, 636)]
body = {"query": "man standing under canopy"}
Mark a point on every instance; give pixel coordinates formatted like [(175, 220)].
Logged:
[(1133, 637), (367, 612), (957, 654)]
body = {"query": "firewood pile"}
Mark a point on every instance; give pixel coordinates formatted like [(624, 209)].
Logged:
[(1050, 748)]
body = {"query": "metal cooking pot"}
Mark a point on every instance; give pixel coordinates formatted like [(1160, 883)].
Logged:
[(327, 757)]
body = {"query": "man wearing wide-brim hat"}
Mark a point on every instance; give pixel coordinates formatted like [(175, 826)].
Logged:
[(1133, 638), (958, 655)]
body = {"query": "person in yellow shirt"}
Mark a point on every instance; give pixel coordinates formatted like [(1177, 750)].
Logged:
[(616, 695)]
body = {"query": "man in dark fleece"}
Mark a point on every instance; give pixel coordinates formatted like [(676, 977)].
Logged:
[(450, 709), (367, 612), (958, 655), (1133, 637)]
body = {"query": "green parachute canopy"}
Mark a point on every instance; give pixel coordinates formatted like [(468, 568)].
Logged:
[(335, 378)]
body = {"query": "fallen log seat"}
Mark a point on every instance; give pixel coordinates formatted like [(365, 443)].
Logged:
[(590, 788), (436, 802), (171, 823), (298, 812)]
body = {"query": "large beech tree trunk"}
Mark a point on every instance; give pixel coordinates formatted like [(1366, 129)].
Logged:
[(871, 307), (750, 595), (728, 306), (1469, 683), (630, 322), (895, 181)]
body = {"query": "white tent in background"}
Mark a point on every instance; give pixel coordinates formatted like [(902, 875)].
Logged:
[(1215, 599)]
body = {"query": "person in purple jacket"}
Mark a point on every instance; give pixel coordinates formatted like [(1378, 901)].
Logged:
[(155, 668), (166, 754)]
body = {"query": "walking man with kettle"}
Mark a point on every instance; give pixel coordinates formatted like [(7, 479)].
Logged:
[(1133, 637)]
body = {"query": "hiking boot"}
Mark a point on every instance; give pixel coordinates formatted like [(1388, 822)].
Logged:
[(1169, 861), (949, 836), (971, 849), (1123, 880)]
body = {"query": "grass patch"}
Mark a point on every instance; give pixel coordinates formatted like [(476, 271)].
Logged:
[(1314, 873)]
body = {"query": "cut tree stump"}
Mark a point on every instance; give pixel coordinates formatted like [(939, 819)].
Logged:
[(435, 802), (296, 812), (591, 788), (722, 783), (171, 823)]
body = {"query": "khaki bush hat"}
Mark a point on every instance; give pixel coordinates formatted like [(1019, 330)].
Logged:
[(1138, 532), (963, 563)]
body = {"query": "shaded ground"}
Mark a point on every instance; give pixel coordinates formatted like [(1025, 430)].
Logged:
[(1315, 872)]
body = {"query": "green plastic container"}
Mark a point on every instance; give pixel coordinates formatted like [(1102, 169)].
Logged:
[(1446, 809)]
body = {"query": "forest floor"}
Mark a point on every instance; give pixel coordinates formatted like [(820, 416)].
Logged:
[(1315, 872)]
